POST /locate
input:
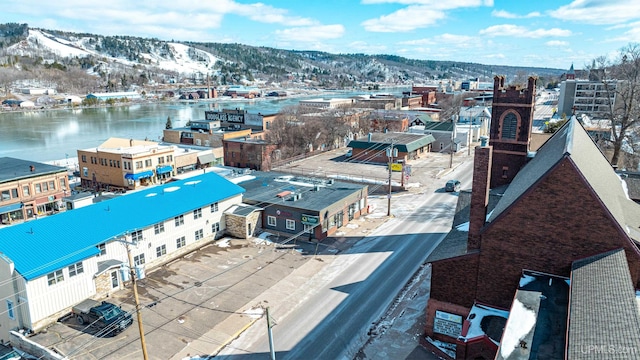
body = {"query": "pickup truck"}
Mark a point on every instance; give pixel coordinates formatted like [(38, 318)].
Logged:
[(108, 318)]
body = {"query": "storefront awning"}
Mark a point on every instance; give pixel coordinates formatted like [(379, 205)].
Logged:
[(140, 175), (10, 208), (164, 169), (206, 158)]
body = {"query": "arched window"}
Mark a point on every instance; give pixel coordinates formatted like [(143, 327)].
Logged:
[(509, 126)]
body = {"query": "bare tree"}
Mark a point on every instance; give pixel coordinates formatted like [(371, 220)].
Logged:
[(621, 79)]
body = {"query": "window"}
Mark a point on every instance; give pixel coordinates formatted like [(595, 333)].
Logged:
[(84, 158), (103, 249), (214, 207), (198, 234), (169, 158), (291, 224), (161, 250), (158, 228), (45, 187), (138, 259), (308, 228), (180, 242), (179, 220), (215, 227), (4, 196), (63, 183), (76, 269), (85, 172), (10, 312), (509, 126), (55, 277), (38, 188), (147, 163), (161, 160), (26, 191), (197, 214), (138, 164), (271, 220), (136, 236)]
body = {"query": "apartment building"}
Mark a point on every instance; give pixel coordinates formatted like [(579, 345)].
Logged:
[(50, 264), (29, 189)]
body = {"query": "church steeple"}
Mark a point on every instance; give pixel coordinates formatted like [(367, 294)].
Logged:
[(571, 75)]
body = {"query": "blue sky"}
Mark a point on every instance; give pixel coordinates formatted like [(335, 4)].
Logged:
[(547, 33)]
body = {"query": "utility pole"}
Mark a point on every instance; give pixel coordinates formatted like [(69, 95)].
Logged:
[(272, 350), (132, 273), (470, 136), (453, 128), (390, 154)]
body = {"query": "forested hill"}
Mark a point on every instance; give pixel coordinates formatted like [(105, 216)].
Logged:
[(127, 60)]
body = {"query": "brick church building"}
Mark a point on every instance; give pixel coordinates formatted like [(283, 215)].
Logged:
[(552, 255)]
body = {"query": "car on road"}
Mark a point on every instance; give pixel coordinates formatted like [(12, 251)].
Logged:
[(108, 318), (452, 186)]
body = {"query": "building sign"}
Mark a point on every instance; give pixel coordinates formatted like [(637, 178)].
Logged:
[(447, 324), (224, 116), (310, 220)]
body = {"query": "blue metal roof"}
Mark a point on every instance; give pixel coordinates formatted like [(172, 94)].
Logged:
[(41, 246)]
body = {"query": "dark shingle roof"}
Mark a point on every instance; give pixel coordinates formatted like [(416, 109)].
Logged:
[(572, 141), (16, 169), (603, 313)]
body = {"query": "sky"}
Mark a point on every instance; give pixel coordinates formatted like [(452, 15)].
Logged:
[(541, 33)]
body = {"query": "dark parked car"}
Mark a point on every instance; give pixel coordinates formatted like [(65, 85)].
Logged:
[(452, 186), (108, 318)]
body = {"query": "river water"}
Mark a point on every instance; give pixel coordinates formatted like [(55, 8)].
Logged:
[(58, 134)]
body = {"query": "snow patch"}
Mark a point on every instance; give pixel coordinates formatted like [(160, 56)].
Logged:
[(254, 313), (521, 322), (463, 227), (224, 243), (447, 348), (526, 279), (479, 312)]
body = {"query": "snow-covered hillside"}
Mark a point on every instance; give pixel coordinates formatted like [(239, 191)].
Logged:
[(180, 58)]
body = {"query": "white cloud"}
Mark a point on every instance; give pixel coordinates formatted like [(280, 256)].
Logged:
[(407, 19), (507, 15), (418, 14), (523, 32), (436, 4), (557, 43), (310, 33), (364, 47), (599, 12)]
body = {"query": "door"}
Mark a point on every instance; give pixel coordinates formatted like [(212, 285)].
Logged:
[(114, 280)]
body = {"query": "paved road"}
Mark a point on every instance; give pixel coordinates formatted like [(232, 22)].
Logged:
[(352, 292)]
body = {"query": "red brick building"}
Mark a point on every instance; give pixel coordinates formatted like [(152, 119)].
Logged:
[(564, 214), (248, 153)]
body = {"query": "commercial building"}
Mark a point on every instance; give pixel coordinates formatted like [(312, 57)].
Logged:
[(374, 148), (125, 164), (589, 97), (129, 95), (50, 264), (29, 189), (255, 154), (326, 103), (296, 206), (547, 264)]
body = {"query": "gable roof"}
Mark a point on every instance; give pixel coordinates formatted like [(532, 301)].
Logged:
[(603, 312), (404, 142), (41, 246), (572, 141)]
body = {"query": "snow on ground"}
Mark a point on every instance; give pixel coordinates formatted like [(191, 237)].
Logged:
[(223, 243), (56, 46), (254, 313), (263, 239), (480, 311), (521, 321)]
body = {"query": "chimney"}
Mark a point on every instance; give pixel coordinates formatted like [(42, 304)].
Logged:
[(479, 193), (32, 168), (369, 137)]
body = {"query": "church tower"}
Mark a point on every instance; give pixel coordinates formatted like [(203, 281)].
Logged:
[(510, 133)]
